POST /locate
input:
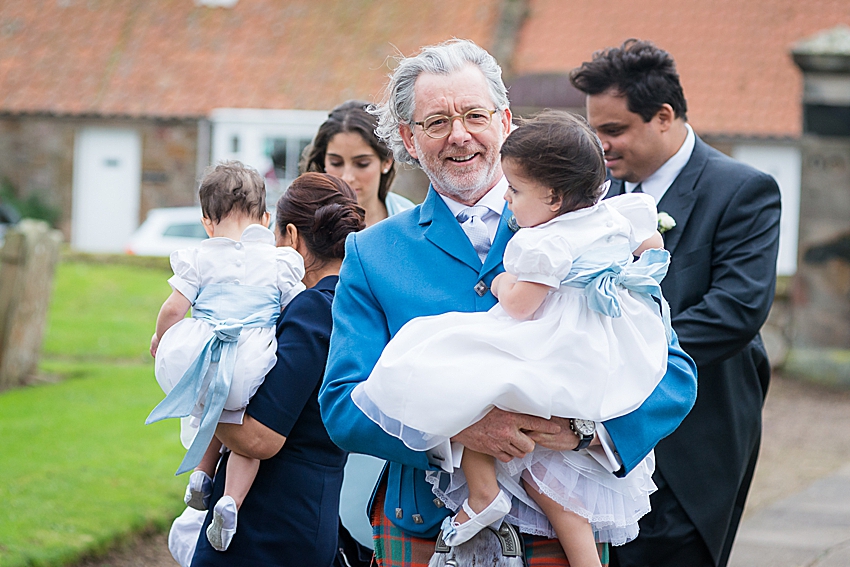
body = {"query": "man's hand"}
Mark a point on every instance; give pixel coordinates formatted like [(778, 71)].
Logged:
[(563, 440), (507, 435)]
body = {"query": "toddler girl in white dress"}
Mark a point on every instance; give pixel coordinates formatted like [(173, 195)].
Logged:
[(576, 333), (211, 364)]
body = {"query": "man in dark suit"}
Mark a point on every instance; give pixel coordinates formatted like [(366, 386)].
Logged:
[(720, 288)]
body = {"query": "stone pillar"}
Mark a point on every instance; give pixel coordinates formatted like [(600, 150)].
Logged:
[(821, 288), (27, 264)]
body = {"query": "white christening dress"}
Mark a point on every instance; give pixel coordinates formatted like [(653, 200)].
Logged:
[(595, 349), (212, 363)]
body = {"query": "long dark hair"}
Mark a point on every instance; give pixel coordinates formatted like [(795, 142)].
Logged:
[(351, 116), (324, 209)]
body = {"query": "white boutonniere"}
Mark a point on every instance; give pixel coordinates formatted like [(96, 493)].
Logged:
[(665, 222)]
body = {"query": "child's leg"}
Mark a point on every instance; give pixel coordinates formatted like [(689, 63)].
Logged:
[(241, 472), (480, 472), (210, 459), (199, 489), (487, 503), (574, 532)]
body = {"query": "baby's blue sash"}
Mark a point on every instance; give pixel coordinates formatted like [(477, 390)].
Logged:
[(603, 270), (224, 306)]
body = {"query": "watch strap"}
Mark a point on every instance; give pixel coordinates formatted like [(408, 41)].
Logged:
[(583, 440)]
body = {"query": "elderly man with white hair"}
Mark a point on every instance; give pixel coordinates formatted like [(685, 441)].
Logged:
[(447, 111)]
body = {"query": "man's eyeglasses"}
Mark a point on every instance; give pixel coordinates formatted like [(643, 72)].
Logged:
[(439, 126)]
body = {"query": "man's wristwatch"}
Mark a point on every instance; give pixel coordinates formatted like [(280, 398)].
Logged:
[(584, 430)]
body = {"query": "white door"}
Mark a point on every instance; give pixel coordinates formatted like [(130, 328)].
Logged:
[(107, 178)]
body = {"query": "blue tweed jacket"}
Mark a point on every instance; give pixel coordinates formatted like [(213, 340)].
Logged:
[(420, 263)]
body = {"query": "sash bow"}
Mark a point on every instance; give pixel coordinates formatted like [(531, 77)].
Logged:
[(263, 306)]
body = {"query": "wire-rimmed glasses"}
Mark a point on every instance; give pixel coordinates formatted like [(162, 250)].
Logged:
[(439, 126)]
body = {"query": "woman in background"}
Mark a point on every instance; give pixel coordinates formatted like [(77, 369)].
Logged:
[(346, 146)]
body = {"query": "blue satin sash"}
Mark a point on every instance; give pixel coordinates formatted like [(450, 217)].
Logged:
[(229, 308), (602, 271)]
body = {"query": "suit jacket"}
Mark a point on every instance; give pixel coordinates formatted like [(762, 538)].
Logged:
[(419, 263), (720, 287)]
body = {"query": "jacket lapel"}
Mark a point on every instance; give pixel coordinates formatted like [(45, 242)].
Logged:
[(443, 230), (679, 200), (618, 187), (503, 234)]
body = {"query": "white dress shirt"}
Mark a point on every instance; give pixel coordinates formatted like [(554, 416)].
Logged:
[(658, 183), (494, 200)]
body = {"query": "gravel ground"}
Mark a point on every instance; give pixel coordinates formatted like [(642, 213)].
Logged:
[(791, 458)]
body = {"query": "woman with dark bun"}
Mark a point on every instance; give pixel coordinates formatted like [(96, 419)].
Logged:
[(290, 516), (346, 146)]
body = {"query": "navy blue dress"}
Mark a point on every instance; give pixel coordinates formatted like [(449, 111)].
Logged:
[(291, 513)]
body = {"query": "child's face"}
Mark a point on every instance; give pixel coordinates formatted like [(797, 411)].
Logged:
[(528, 200)]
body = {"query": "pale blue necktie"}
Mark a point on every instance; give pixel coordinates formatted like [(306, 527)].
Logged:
[(471, 222)]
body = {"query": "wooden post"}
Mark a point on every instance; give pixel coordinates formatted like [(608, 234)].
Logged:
[(27, 264)]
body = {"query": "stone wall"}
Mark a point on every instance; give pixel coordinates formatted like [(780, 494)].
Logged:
[(37, 157)]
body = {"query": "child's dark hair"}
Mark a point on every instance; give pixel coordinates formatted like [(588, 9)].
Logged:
[(559, 150), (232, 186), (324, 209)]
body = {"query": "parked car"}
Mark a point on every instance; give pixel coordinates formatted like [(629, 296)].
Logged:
[(167, 230)]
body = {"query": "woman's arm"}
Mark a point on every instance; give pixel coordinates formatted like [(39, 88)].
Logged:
[(251, 439), (519, 299)]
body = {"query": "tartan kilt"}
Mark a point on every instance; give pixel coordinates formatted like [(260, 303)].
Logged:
[(394, 548)]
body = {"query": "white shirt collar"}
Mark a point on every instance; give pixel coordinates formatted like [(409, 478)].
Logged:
[(252, 233), (658, 183), (494, 200)]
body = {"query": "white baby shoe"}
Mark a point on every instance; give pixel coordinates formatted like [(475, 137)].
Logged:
[(223, 526), (198, 491), (455, 533)]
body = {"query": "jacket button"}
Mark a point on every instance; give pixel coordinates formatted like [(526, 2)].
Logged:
[(438, 503), (417, 519)]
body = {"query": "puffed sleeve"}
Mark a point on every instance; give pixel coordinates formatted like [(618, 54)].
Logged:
[(186, 279), (290, 272), (534, 255), (639, 209)]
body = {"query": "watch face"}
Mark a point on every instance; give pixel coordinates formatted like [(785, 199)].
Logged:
[(584, 426)]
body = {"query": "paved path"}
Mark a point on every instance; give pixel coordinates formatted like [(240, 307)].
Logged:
[(798, 513), (809, 528)]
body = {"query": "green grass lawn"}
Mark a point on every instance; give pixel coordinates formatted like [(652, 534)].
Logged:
[(78, 467)]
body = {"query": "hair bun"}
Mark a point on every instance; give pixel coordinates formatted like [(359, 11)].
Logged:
[(325, 211)]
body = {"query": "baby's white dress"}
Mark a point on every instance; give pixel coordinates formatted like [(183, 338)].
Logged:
[(441, 374), (252, 262)]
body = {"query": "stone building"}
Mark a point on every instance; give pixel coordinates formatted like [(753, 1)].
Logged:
[(175, 84)]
